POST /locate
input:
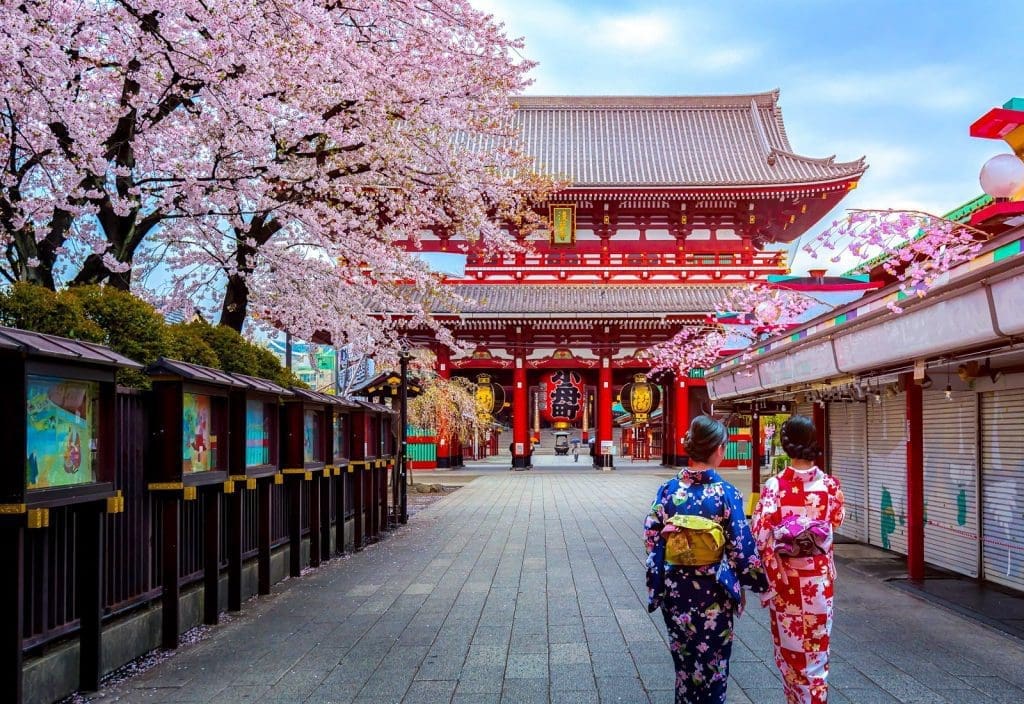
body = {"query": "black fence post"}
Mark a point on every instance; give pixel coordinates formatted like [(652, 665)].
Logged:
[(12, 602), (89, 577), (211, 556)]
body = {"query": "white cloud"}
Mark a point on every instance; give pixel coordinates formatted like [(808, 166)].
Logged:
[(928, 87), (583, 49)]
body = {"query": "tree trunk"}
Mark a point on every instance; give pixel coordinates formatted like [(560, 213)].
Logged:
[(236, 296), (236, 302)]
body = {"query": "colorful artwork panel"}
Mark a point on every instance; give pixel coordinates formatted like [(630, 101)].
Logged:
[(257, 434), (199, 442), (340, 446), (62, 432), (312, 447)]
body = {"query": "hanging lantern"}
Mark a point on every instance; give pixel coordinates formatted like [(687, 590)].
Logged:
[(562, 398), (641, 398), (490, 397)]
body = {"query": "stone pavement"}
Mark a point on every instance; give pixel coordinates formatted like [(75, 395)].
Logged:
[(529, 587)]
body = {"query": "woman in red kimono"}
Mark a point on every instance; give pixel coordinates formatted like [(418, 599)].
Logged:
[(793, 523)]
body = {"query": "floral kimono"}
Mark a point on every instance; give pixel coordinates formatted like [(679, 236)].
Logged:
[(800, 598), (698, 602)]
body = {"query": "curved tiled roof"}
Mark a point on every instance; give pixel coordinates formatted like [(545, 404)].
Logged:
[(735, 140), (587, 299)]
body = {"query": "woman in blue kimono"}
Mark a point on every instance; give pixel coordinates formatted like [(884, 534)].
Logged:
[(700, 556)]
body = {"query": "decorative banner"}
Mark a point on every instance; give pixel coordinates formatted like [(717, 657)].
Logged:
[(563, 224), (563, 397), (641, 398)]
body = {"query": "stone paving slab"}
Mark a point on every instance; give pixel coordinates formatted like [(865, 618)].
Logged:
[(529, 587)]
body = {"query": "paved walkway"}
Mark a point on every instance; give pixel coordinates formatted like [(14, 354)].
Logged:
[(528, 587)]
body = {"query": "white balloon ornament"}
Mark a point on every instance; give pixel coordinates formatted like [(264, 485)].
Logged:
[(1002, 176)]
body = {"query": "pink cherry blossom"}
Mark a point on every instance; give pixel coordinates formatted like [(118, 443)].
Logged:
[(284, 152)]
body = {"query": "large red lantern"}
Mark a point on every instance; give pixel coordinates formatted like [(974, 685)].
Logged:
[(563, 398)]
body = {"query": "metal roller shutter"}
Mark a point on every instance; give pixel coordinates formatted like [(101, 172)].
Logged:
[(805, 409), (951, 481), (887, 473), (846, 457), (1002, 487)]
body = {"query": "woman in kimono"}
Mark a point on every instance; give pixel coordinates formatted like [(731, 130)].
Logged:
[(700, 556), (793, 523)]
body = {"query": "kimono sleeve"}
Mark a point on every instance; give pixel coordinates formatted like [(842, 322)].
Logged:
[(655, 521), (741, 551), (836, 503), (766, 517)]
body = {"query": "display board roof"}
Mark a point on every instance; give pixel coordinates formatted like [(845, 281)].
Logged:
[(36, 344)]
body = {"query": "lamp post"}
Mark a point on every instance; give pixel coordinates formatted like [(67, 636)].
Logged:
[(403, 460)]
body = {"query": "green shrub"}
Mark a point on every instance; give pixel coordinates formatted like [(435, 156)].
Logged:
[(36, 308), (185, 343), (132, 327)]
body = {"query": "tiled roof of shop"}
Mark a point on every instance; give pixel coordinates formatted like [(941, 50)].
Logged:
[(734, 140), (583, 299)]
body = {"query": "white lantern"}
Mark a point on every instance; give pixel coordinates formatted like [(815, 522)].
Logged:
[(1002, 176)]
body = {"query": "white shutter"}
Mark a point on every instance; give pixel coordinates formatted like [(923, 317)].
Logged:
[(805, 409), (951, 480), (887, 473), (1002, 487), (846, 457)]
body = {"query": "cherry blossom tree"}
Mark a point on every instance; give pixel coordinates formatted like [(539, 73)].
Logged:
[(751, 312), (693, 347), (913, 247), (275, 151)]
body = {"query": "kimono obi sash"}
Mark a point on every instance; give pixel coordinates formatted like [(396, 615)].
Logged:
[(693, 541)]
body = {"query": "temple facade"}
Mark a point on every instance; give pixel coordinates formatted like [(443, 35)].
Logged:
[(672, 201)]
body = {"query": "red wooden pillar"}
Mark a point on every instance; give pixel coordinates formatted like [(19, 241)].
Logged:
[(822, 433), (915, 480), (755, 454), (444, 441), (604, 414), (681, 418), (520, 416)]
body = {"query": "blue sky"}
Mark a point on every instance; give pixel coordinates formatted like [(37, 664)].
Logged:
[(897, 82)]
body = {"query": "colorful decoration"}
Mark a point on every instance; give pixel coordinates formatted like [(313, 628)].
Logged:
[(62, 432), (562, 397), (199, 446), (641, 398)]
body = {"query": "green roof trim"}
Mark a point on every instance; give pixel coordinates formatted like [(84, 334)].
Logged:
[(1007, 251), (1014, 104)]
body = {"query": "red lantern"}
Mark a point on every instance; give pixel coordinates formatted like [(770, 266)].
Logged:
[(563, 398)]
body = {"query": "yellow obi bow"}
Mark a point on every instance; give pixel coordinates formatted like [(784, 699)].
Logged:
[(692, 541)]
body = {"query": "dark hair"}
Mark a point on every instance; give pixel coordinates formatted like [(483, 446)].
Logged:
[(705, 436), (799, 438)]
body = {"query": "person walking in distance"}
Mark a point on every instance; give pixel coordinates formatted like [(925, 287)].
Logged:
[(793, 525), (575, 453), (700, 555)]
